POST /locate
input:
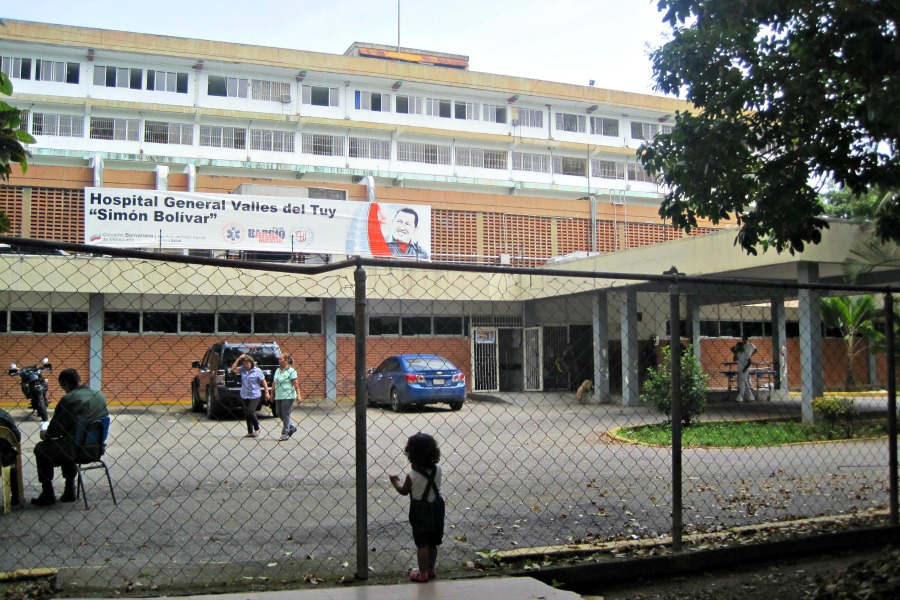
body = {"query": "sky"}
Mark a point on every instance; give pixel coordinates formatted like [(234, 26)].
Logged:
[(569, 41)]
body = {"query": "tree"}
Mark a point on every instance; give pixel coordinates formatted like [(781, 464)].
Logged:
[(854, 316), (12, 140), (844, 204), (786, 93)]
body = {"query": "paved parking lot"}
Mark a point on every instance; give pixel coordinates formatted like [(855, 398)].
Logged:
[(199, 504)]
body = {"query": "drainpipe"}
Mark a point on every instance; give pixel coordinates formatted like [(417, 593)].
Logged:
[(370, 188), (593, 200)]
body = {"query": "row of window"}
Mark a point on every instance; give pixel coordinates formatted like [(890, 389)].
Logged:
[(160, 132), (323, 95), (19, 321)]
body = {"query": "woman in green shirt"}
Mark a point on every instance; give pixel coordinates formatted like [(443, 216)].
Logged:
[(287, 391)]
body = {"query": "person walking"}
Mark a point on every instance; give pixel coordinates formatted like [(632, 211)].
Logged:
[(744, 358), (426, 508), (253, 382), (287, 391)]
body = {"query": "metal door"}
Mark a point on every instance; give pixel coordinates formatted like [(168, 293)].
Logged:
[(485, 360), (533, 359)]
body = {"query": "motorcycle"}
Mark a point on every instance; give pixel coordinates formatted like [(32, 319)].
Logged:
[(34, 386)]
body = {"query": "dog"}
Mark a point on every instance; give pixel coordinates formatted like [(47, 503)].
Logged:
[(586, 387)]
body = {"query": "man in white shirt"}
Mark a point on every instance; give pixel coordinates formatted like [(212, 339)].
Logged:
[(744, 357)]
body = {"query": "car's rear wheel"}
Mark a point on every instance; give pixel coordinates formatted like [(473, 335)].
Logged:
[(396, 405), (196, 401), (456, 405)]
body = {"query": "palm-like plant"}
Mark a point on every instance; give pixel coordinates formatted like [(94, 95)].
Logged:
[(12, 140), (854, 316)]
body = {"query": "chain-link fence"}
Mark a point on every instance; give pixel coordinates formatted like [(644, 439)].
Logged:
[(533, 457)]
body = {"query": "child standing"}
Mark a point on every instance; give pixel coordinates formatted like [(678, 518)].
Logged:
[(426, 509)]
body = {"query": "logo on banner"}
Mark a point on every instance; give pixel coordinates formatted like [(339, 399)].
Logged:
[(304, 236), (233, 233)]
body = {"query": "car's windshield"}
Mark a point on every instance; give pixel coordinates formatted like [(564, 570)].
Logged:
[(435, 363)]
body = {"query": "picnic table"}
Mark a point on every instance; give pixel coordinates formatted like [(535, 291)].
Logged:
[(759, 371)]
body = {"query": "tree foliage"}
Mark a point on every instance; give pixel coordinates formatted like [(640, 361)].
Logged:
[(12, 140), (786, 93)]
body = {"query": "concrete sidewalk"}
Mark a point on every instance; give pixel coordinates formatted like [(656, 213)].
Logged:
[(494, 588)]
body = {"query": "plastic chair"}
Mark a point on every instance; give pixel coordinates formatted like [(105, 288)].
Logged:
[(6, 482), (90, 446)]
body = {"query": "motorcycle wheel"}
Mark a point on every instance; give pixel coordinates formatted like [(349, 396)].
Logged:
[(39, 404)]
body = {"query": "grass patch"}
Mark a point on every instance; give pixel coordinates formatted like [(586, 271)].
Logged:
[(748, 434)]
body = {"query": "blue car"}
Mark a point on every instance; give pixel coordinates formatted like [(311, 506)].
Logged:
[(407, 379)]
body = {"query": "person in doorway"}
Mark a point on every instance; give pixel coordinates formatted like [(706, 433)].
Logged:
[(744, 352), (403, 235), (57, 445), (426, 509), (253, 382), (287, 391)]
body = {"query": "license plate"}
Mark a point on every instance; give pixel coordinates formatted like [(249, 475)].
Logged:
[(437, 382)]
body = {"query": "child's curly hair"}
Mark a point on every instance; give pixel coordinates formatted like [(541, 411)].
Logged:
[(422, 451)]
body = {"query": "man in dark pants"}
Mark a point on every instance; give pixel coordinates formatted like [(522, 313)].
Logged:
[(8, 452), (58, 446)]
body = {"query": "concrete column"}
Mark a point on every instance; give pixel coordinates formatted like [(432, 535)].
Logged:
[(811, 374), (629, 336), (600, 321), (528, 317), (779, 340), (97, 164), (693, 319), (162, 178), (329, 328), (95, 341), (191, 171)]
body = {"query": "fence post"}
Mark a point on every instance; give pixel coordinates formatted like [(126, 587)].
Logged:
[(892, 403), (362, 514), (675, 348)]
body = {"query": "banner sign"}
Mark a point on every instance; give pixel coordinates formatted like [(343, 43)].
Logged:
[(129, 218)]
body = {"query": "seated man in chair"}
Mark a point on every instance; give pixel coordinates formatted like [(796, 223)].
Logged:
[(57, 448), (9, 453)]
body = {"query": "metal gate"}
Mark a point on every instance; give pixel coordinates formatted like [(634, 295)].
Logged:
[(534, 359), (485, 360)]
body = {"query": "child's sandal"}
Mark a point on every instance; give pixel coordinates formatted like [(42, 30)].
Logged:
[(418, 576)]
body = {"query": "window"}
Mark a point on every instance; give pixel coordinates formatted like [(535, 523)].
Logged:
[(223, 137), (530, 117), (436, 107), (317, 95), (448, 326), (466, 110), (230, 87), (370, 148), (50, 70), (567, 165), (275, 91), (192, 322), (477, 157), (605, 126), (648, 131), (423, 153), (384, 325), (608, 169), (274, 141), (494, 114), (525, 161), (416, 326), (322, 145), (270, 323), (229, 322), (26, 320), (567, 122), (303, 323), (69, 322), (159, 132), (326, 193), (23, 120), (345, 324), (167, 81), (709, 328), (160, 322), (16, 68), (411, 105), (636, 172), (373, 101), (104, 128), (122, 322), (122, 77), (60, 125)]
